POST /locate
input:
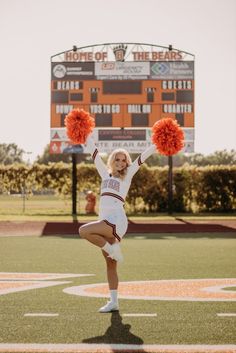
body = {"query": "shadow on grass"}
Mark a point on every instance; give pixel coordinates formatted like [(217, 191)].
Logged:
[(117, 333)]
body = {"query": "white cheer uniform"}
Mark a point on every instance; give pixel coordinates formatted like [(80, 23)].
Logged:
[(114, 190)]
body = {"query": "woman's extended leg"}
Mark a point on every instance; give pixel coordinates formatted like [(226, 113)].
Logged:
[(112, 278), (101, 234)]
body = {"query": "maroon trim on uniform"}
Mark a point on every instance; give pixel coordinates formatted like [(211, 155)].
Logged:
[(113, 195), (95, 153), (113, 229), (139, 160)]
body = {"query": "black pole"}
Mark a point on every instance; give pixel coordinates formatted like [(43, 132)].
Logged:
[(74, 184), (170, 185)]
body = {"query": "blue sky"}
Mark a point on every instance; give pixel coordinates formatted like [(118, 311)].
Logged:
[(31, 31)]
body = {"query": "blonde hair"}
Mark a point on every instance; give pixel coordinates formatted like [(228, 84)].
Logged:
[(112, 158)]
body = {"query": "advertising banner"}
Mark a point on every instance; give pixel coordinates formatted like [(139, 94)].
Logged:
[(133, 140), (172, 70), (73, 71), (114, 70)]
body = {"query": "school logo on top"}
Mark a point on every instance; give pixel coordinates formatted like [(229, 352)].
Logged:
[(119, 52), (59, 71)]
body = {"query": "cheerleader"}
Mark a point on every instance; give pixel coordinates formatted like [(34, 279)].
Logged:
[(107, 232)]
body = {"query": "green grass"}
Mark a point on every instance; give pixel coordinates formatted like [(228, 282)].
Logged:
[(54, 208), (230, 288), (147, 257)]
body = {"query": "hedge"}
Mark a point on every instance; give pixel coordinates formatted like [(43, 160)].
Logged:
[(211, 188)]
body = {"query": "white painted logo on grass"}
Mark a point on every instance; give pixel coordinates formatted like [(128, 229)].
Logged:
[(11, 282), (182, 289)]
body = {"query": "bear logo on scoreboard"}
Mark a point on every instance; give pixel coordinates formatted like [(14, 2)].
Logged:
[(119, 52)]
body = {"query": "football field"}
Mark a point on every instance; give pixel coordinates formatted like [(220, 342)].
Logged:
[(177, 294)]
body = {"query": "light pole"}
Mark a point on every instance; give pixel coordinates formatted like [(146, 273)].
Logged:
[(170, 185), (28, 154), (24, 185)]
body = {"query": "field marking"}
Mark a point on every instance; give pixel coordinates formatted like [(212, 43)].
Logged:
[(11, 282), (139, 315), (40, 315), (226, 314), (218, 289), (177, 289), (7, 287), (39, 275), (112, 348)]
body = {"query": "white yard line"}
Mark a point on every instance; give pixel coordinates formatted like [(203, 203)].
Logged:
[(41, 314), (139, 315), (112, 348)]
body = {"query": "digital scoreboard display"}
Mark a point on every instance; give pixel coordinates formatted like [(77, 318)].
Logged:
[(122, 94)]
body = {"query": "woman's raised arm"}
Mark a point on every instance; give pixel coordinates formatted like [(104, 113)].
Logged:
[(134, 167), (100, 165)]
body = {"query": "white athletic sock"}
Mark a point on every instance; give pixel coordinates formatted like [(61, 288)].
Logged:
[(108, 248), (114, 294)]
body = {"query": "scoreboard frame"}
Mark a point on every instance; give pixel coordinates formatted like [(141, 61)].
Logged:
[(124, 86)]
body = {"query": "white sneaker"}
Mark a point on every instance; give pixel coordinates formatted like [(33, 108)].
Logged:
[(110, 306), (116, 254)]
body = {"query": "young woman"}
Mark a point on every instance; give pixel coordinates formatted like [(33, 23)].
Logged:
[(108, 231)]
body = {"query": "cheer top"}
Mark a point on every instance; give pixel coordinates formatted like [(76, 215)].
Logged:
[(115, 189)]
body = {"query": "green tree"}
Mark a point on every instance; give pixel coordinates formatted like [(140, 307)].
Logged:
[(10, 153), (48, 157), (223, 157)]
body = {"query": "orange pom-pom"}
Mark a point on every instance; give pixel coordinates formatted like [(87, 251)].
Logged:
[(79, 124), (168, 136)]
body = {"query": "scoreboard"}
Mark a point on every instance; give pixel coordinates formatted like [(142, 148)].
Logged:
[(125, 94)]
